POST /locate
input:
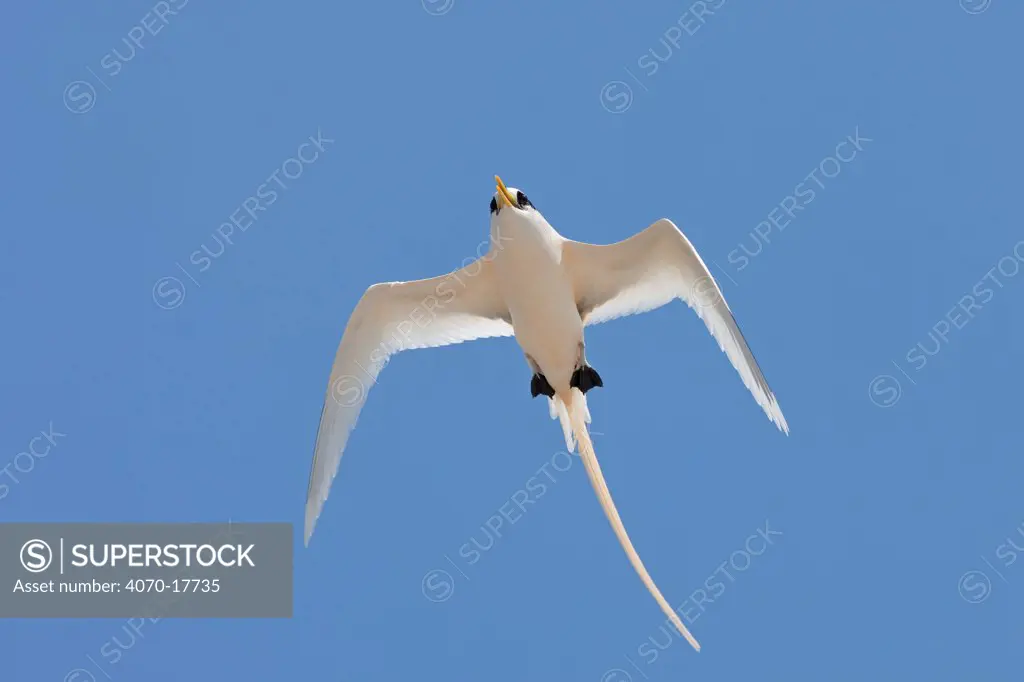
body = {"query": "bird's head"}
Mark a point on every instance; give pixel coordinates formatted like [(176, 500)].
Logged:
[(510, 199)]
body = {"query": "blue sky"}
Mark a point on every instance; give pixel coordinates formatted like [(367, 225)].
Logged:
[(884, 310)]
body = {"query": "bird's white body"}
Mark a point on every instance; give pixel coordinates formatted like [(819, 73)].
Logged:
[(538, 293), (543, 289)]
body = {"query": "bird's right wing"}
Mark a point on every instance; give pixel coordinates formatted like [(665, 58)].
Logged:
[(651, 269), (391, 317)]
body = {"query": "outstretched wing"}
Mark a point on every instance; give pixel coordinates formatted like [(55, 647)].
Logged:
[(647, 271), (391, 317)]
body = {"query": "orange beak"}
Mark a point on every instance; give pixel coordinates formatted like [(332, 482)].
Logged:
[(503, 192)]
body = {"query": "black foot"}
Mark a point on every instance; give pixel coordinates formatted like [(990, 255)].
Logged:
[(539, 386), (585, 378)]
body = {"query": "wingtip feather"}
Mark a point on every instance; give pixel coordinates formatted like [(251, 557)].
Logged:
[(309, 526)]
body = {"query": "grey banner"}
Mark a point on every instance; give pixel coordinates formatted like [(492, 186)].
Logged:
[(146, 570)]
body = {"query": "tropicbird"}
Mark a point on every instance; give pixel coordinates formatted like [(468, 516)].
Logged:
[(543, 289)]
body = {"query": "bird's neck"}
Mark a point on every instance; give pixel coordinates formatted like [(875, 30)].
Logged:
[(527, 227)]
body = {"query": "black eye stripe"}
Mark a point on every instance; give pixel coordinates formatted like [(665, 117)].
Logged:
[(522, 201)]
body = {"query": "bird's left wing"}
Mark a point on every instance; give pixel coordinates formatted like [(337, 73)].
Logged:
[(647, 271), (391, 317)]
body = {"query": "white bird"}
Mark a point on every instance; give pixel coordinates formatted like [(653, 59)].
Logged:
[(543, 289)]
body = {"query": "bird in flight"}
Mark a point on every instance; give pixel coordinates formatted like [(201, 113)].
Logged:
[(543, 289)]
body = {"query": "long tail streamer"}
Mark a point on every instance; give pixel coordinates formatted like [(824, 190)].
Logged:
[(577, 414)]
